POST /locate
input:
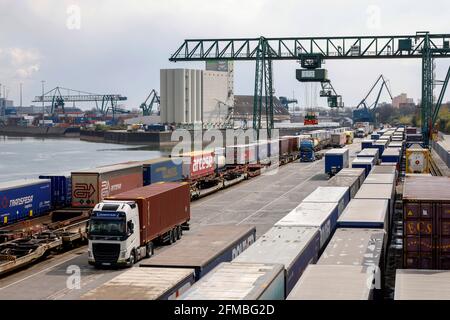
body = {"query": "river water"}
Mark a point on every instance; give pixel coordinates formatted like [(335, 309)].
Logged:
[(23, 158)]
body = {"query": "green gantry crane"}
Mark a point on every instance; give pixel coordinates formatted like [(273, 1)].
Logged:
[(147, 106), (310, 51)]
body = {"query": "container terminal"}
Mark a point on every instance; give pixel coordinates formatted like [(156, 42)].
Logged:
[(329, 203)]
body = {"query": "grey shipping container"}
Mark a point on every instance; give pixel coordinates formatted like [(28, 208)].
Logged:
[(356, 247), (144, 284), (389, 169), (366, 213), (205, 249), (240, 281), (308, 214), (377, 178), (294, 247), (359, 172), (369, 153), (332, 282), (378, 191), (422, 285), (340, 195), (352, 182)]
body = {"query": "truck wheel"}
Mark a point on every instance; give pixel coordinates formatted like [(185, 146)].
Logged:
[(174, 234), (179, 232), (170, 240), (149, 250), (132, 258)]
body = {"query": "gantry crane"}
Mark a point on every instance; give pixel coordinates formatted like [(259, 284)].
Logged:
[(365, 112), (264, 51), (58, 100), (147, 108)]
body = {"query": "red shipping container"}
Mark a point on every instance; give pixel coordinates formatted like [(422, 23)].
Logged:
[(283, 146), (198, 164), (162, 206), (91, 186)]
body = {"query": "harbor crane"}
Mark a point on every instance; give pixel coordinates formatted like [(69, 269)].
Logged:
[(311, 51), (108, 102), (147, 105), (365, 112)]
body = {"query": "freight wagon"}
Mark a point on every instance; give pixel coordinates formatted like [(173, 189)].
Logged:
[(339, 195), (422, 285), (144, 284), (205, 249), (124, 228), (240, 281), (91, 186), (24, 199), (293, 247), (336, 160), (319, 215), (61, 189), (426, 218), (161, 170), (332, 282)]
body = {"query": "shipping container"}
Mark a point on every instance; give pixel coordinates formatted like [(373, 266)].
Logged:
[(411, 130), (331, 282), (158, 213), (320, 215), (366, 213), (396, 144), (263, 154), (417, 160), (352, 182), (335, 160), (144, 284), (365, 163), (338, 139), (61, 189), (205, 249), (383, 178), (339, 195), (198, 164), (91, 186), (388, 169), (293, 143), (422, 285), (397, 139), (391, 154), (369, 153), (24, 199), (378, 191), (219, 158), (293, 247), (375, 136), (240, 281), (367, 144), (350, 172), (381, 145), (162, 170), (426, 216), (241, 154), (413, 137)]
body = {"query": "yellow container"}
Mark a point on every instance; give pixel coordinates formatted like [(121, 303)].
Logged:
[(417, 160), (349, 135)]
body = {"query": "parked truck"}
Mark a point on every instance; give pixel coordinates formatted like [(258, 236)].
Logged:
[(307, 151), (125, 228)]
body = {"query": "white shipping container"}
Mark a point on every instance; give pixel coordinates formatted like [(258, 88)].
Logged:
[(339, 195)]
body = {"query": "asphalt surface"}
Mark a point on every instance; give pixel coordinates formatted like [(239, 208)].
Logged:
[(260, 201)]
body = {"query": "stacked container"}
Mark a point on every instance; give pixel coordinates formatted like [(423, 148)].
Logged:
[(369, 153), (365, 163), (339, 195), (335, 160)]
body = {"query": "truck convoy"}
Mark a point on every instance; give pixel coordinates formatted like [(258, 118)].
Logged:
[(125, 228)]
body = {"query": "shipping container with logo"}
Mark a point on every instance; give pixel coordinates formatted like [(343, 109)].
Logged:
[(203, 250), (162, 170), (61, 189), (293, 247), (91, 186), (197, 164), (144, 284), (240, 281), (426, 216), (308, 214), (24, 199)]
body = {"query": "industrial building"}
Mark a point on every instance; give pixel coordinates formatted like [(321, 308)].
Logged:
[(243, 109)]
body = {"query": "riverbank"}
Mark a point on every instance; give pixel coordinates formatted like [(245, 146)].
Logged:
[(18, 131)]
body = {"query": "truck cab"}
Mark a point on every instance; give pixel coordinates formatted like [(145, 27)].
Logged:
[(360, 133), (113, 234)]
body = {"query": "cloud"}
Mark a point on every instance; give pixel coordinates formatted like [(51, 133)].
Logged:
[(19, 63)]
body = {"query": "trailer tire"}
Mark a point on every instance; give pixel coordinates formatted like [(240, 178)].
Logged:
[(174, 235), (149, 251), (170, 238), (132, 258), (179, 232)]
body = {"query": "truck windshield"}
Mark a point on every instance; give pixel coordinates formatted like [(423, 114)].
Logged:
[(107, 227)]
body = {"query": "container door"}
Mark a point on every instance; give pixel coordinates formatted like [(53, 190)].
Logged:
[(85, 191)]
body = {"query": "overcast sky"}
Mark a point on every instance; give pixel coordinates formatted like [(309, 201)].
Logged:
[(119, 46)]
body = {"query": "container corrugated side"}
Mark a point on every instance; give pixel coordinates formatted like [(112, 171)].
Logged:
[(294, 247), (340, 195), (240, 281), (144, 284), (422, 285), (205, 249), (61, 189), (162, 170), (321, 215), (331, 282)]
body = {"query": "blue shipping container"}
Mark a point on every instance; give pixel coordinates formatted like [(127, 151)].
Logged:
[(24, 199), (162, 170), (367, 144), (366, 163), (375, 136), (61, 189), (335, 160)]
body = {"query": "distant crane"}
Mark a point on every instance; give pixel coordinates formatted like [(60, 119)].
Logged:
[(334, 100), (147, 106), (365, 112), (285, 102), (437, 107), (58, 100)]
